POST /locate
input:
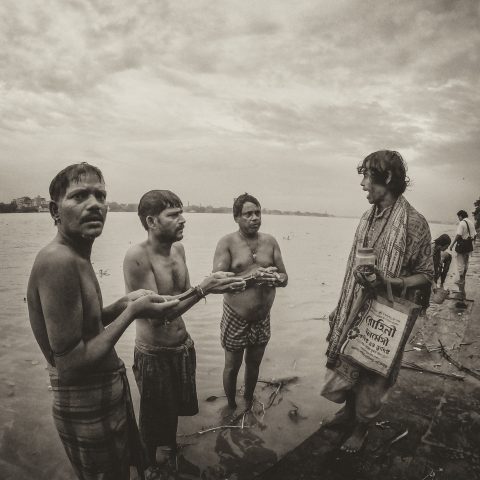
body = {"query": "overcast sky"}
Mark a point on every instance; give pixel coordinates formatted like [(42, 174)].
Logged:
[(214, 98)]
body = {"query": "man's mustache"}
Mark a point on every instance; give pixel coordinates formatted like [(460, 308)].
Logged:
[(93, 218)]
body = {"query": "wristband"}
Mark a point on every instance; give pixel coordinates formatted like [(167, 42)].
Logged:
[(199, 291), (189, 293)]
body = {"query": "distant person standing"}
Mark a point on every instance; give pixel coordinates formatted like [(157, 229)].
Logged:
[(165, 358), (400, 239), (463, 243), (441, 258), (245, 325), (92, 408)]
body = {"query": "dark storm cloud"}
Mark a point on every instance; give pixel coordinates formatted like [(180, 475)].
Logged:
[(304, 87)]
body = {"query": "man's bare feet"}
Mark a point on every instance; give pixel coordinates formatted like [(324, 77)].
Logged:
[(356, 440), (227, 412)]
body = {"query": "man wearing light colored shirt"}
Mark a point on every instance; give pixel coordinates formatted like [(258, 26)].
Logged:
[(465, 230)]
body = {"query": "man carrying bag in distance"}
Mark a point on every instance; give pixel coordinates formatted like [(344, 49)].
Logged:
[(463, 243)]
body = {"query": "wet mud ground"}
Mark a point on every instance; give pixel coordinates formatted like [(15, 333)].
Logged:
[(430, 426)]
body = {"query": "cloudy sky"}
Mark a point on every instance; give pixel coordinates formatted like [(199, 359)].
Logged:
[(214, 98)]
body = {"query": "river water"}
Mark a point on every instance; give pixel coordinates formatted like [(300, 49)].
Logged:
[(315, 251)]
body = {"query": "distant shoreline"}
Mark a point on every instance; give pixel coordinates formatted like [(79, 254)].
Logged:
[(214, 210), (229, 211)]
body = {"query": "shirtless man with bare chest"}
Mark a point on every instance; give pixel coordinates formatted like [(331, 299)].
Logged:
[(91, 402), (245, 325), (164, 363)]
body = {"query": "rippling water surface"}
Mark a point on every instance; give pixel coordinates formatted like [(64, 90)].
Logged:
[(315, 251)]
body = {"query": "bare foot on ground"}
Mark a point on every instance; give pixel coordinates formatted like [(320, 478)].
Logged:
[(355, 442), (231, 414), (228, 413)]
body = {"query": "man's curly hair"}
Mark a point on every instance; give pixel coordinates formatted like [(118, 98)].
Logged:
[(379, 164)]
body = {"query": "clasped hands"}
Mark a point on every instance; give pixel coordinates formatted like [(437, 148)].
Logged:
[(221, 282), (267, 276), (146, 302)]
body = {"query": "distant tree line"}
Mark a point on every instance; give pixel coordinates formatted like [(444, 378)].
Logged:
[(132, 207), (476, 214), (12, 207), (122, 207), (296, 212)]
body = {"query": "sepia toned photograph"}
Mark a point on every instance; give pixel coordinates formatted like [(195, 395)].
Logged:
[(238, 240)]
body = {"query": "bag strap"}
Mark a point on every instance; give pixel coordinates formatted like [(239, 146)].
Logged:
[(468, 228), (389, 291)]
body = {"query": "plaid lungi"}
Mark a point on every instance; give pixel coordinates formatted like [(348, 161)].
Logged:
[(96, 423), (165, 378), (237, 333)]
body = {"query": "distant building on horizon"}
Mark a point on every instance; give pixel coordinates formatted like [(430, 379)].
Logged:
[(38, 202), (23, 202)]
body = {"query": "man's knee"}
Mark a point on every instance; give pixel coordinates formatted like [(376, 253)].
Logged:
[(254, 355), (233, 362), (231, 370)]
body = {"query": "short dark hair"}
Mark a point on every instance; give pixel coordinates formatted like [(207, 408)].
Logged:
[(72, 173), (378, 164), (155, 202), (443, 240), (462, 213), (240, 201)]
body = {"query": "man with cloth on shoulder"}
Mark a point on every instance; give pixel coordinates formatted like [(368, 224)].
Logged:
[(400, 238)]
